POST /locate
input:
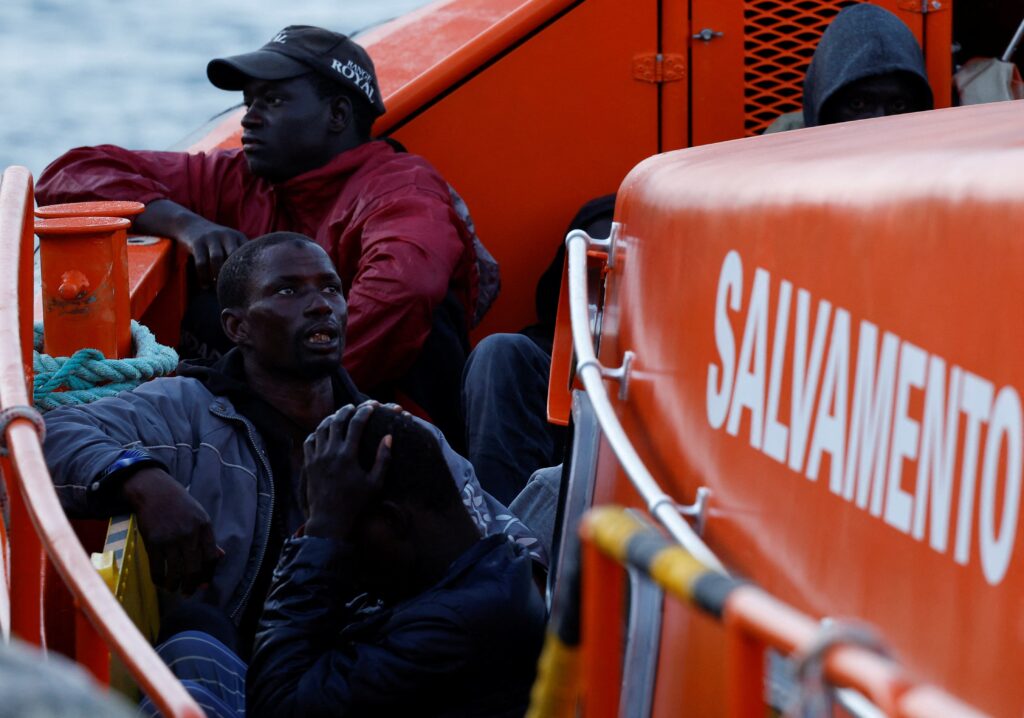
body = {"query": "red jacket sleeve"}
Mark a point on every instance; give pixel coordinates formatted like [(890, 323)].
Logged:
[(206, 184), (410, 249)]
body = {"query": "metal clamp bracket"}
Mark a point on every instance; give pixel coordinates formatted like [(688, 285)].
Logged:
[(813, 696), (697, 511), (606, 245), (659, 67), (619, 374)]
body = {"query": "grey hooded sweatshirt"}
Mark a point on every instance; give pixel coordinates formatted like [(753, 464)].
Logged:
[(862, 41)]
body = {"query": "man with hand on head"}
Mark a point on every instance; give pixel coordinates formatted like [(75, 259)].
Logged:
[(307, 164), (460, 624), (210, 460), (387, 602)]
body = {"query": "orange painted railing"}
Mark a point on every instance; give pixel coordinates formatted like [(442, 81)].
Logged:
[(38, 527), (753, 621)]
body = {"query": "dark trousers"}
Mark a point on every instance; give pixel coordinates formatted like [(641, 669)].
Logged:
[(504, 398)]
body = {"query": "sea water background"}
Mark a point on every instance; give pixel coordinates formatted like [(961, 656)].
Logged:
[(133, 72)]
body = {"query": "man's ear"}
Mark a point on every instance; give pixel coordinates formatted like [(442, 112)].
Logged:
[(342, 113), (235, 326)]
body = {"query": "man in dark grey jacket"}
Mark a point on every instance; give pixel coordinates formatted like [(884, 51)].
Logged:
[(209, 460)]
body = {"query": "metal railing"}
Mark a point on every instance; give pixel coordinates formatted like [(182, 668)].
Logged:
[(754, 619), (590, 371), (38, 526)]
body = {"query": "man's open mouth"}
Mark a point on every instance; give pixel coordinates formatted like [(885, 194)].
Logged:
[(322, 337)]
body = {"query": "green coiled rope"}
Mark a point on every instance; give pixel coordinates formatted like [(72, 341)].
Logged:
[(87, 375)]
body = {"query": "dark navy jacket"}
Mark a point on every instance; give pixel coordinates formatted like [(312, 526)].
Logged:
[(466, 647)]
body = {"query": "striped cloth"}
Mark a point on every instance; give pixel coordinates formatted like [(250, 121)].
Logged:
[(213, 675)]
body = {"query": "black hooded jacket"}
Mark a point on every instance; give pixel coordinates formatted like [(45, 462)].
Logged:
[(862, 41)]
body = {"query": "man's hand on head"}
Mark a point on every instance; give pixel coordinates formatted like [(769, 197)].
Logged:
[(175, 528), (209, 243), (337, 488)]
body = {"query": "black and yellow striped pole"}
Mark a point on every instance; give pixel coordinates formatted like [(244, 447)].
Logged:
[(623, 537), (629, 542), (556, 688), (582, 660)]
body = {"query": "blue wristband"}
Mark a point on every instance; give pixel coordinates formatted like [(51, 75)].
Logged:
[(127, 463)]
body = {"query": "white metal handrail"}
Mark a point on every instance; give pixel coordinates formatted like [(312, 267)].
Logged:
[(590, 371), (1011, 49)]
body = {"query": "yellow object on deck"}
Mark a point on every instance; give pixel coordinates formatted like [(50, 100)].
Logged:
[(124, 566)]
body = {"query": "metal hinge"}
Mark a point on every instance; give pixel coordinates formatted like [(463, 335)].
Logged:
[(923, 7), (656, 67)]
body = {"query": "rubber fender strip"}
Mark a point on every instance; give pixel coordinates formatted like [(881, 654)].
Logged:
[(712, 590), (555, 690)]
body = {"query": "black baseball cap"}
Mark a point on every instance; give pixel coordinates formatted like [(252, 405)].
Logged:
[(297, 50)]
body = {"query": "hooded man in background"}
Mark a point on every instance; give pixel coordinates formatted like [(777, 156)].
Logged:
[(867, 64)]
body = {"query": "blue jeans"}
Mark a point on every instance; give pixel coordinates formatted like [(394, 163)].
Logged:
[(212, 674), (504, 399)]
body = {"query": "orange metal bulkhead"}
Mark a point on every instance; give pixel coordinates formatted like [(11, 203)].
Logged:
[(535, 110), (601, 621), (555, 121), (897, 231)]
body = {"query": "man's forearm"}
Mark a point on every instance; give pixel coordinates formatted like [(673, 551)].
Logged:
[(166, 218), (107, 172)]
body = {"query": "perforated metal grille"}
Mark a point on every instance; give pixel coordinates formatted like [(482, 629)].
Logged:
[(779, 40)]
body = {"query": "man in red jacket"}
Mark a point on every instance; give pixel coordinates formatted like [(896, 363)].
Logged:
[(307, 164)]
